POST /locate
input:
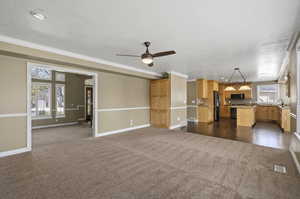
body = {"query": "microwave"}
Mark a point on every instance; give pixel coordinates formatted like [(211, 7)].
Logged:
[(237, 96)]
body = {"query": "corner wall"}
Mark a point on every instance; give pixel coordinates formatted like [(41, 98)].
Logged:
[(192, 107), (13, 104), (178, 101)]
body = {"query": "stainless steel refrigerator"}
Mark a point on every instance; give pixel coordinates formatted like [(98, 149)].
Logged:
[(216, 106)]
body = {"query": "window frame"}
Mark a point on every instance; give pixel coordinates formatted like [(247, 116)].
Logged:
[(60, 115), (40, 117), (277, 93), (36, 78), (56, 73)]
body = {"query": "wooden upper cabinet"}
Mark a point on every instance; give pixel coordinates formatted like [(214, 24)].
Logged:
[(215, 86), (202, 88), (248, 94)]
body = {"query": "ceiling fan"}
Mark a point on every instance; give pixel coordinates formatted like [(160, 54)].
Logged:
[(147, 57)]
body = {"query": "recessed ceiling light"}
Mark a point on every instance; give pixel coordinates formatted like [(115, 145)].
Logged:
[(37, 14)]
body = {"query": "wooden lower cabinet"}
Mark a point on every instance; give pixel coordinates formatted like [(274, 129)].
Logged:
[(204, 114), (160, 118), (246, 116), (285, 120), (225, 111), (267, 113), (275, 114)]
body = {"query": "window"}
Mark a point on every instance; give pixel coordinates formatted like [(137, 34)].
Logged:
[(60, 77), (267, 94), (41, 73), (89, 82), (60, 99), (41, 100)]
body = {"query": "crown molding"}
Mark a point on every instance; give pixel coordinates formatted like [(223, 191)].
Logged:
[(36, 46), (179, 74)]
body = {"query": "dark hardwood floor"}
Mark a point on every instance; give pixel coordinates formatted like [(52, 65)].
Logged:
[(263, 133)]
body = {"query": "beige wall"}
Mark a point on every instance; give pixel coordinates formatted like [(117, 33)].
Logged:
[(115, 120), (12, 85), (192, 100), (178, 91), (115, 90), (13, 100), (178, 99), (120, 91)]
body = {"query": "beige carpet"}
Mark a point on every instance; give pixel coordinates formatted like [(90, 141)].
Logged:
[(46, 136), (149, 163)]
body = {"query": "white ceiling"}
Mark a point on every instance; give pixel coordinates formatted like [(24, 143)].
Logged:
[(210, 37)]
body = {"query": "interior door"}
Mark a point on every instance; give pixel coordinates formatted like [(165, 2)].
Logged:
[(89, 103)]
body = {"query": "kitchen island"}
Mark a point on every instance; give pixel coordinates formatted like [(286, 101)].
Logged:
[(245, 115)]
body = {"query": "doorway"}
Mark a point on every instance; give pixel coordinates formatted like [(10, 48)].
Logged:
[(58, 108)]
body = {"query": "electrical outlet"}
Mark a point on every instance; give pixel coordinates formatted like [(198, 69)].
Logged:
[(178, 118), (193, 101), (131, 122)]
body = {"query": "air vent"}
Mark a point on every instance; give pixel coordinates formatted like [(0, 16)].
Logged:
[(279, 168)]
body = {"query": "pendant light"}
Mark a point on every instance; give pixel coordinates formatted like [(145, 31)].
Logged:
[(229, 88), (242, 88)]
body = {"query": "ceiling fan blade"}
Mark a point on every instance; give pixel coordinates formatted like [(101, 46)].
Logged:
[(166, 53), (150, 65), (124, 55)]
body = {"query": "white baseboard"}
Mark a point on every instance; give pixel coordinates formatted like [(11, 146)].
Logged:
[(121, 130), (192, 120), (14, 152), (54, 125), (295, 160), (177, 126)]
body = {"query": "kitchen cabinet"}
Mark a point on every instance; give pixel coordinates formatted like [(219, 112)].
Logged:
[(267, 113), (204, 114), (276, 114), (248, 94), (160, 99), (202, 88), (246, 115), (225, 111), (215, 85), (285, 119)]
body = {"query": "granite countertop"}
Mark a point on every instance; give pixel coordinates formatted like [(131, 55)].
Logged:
[(254, 105), (204, 105), (243, 106), (279, 106)]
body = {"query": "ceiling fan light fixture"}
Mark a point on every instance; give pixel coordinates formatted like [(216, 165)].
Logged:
[(147, 59), (229, 88)]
